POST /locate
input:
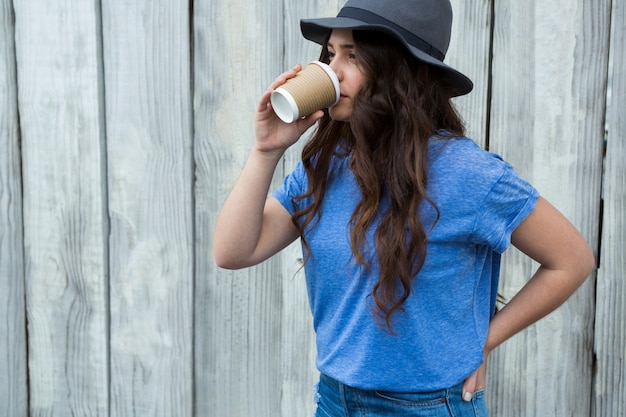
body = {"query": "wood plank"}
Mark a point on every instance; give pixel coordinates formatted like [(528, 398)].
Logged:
[(549, 76), (469, 53), (146, 48), (65, 220), (610, 341), (13, 388), (238, 50)]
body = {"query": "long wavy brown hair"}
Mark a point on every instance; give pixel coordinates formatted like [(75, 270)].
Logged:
[(402, 103)]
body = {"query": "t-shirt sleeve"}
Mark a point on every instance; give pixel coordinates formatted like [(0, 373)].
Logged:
[(293, 185), (510, 200)]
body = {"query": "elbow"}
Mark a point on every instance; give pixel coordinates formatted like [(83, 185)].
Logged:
[(582, 263), (588, 262), (224, 258)]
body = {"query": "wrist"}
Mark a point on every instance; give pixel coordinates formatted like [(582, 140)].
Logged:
[(273, 155)]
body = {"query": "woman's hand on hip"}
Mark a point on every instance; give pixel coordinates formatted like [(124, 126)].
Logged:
[(476, 381)]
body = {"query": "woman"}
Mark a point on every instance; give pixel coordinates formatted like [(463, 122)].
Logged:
[(402, 221)]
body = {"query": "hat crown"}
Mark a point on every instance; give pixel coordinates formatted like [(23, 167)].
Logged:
[(423, 27), (430, 20)]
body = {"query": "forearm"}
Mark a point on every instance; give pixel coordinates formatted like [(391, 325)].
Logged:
[(544, 293), (239, 223)]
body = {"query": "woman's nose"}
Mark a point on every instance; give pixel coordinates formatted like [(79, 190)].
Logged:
[(334, 65)]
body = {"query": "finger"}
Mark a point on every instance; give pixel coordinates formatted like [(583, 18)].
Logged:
[(305, 123), (264, 101), (282, 78), (311, 119), (469, 387)]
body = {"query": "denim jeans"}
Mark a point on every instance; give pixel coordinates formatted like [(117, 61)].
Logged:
[(335, 399)]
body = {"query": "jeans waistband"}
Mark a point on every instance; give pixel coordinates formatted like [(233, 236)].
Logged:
[(334, 384)]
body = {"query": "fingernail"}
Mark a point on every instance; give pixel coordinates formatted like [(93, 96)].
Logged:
[(467, 396)]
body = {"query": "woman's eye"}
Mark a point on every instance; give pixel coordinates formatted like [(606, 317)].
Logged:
[(331, 55)]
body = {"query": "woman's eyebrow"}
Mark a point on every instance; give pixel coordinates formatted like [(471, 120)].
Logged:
[(341, 46)]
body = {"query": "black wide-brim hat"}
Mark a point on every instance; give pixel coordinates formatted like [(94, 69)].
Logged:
[(422, 26)]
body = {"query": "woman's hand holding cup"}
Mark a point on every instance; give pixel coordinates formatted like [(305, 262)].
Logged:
[(287, 110)]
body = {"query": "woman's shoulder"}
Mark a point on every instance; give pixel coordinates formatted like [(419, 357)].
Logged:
[(463, 155)]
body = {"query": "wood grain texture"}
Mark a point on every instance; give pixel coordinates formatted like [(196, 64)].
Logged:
[(65, 221), (147, 60), (132, 127), (549, 78), (237, 53), (610, 336), (469, 53), (13, 389)]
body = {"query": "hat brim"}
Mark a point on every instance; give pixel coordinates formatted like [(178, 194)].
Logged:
[(316, 30)]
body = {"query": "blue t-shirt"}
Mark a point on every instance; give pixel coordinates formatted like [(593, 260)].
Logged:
[(440, 337)]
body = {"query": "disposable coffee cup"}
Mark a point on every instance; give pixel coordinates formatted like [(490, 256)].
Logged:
[(315, 87)]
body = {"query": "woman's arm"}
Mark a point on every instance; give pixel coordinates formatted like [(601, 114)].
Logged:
[(565, 262), (565, 259), (251, 227)]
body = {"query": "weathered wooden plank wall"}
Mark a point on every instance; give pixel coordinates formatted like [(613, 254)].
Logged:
[(236, 45), (65, 217), (13, 389), (609, 393), (134, 121), (147, 67), (470, 52)]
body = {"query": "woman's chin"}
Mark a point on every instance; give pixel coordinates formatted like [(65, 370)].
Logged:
[(339, 114)]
